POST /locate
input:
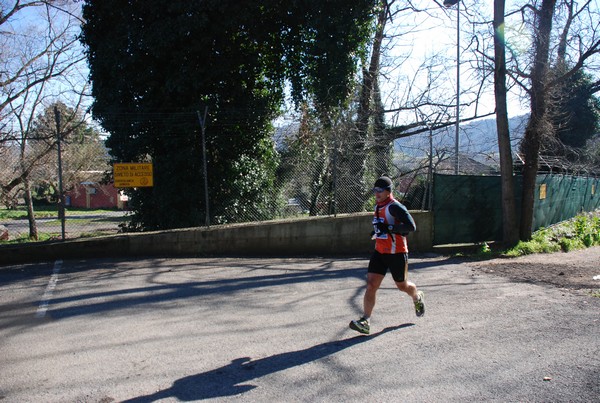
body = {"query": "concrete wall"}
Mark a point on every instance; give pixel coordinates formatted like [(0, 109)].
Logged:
[(346, 234)]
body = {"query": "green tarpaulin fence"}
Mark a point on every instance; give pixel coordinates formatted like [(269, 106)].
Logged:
[(468, 208)]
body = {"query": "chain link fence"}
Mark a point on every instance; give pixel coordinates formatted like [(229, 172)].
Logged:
[(320, 172), (30, 171)]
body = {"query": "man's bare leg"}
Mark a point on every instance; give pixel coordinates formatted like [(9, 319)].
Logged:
[(373, 283)]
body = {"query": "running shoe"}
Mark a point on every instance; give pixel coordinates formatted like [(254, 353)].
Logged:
[(420, 304), (361, 325)]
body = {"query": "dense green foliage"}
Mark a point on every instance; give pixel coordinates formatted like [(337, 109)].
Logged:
[(155, 64), (580, 232), (576, 110)]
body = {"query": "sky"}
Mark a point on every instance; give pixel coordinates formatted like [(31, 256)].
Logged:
[(435, 35), (432, 33), (26, 34)]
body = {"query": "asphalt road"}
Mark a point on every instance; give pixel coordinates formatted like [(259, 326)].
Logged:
[(265, 330)]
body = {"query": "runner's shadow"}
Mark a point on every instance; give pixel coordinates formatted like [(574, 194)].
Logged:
[(229, 379)]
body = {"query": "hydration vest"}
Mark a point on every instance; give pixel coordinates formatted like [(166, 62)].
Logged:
[(388, 243)]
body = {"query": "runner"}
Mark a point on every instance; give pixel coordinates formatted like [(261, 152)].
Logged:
[(391, 222)]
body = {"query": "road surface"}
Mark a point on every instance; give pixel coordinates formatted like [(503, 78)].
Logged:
[(267, 330)]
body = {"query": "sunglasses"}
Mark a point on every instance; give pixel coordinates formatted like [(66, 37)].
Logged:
[(379, 190)]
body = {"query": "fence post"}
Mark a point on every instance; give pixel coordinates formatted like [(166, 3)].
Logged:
[(205, 170), (334, 174), (61, 197)]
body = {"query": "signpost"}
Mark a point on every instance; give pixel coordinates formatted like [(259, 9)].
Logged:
[(133, 175)]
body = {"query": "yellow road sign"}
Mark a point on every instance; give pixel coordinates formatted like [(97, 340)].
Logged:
[(133, 175)]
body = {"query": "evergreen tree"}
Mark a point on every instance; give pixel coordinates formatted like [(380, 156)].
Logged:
[(153, 65), (575, 111)]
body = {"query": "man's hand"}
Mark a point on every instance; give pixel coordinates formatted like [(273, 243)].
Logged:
[(383, 228)]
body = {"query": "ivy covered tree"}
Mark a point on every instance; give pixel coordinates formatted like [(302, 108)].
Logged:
[(155, 65), (574, 112)]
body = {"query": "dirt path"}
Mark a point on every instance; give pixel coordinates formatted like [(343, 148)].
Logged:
[(574, 271)]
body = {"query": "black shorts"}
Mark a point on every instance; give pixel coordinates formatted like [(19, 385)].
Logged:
[(397, 264)]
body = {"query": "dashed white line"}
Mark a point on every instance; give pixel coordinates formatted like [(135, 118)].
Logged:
[(43, 307)]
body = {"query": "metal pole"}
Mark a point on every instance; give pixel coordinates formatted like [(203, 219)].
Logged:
[(334, 168), (61, 198), (430, 181), (456, 166), (203, 126)]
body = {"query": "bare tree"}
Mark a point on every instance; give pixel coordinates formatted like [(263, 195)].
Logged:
[(509, 213), (577, 46), (37, 43), (428, 90), (387, 102), (538, 121), (554, 39), (353, 161), (41, 61)]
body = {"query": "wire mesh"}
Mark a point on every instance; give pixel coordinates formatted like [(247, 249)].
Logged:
[(319, 171)]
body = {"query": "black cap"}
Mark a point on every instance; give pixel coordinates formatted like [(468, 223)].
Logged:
[(384, 183)]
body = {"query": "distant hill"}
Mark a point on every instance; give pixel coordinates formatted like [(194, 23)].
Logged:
[(477, 140)]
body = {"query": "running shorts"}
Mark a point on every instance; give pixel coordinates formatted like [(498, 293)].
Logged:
[(397, 264)]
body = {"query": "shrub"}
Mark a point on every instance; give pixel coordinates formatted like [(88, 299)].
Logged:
[(569, 244), (581, 232)]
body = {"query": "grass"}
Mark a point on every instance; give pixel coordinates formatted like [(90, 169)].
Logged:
[(73, 223), (542, 241), (45, 212), (25, 238), (583, 231), (20, 214)]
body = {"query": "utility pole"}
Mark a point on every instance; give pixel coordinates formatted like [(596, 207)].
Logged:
[(428, 193), (61, 197), (203, 127), (456, 143), (450, 3)]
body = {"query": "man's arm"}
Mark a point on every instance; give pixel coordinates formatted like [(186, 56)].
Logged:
[(404, 221)]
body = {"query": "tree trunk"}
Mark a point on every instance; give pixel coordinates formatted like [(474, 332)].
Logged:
[(381, 146), (354, 162), (510, 234), (538, 120), (381, 149), (33, 233)]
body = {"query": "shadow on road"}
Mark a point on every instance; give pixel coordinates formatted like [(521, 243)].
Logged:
[(230, 379), (120, 299)]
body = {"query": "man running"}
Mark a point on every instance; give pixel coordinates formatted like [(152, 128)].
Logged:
[(391, 223)]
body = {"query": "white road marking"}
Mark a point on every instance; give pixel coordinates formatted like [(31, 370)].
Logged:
[(43, 307)]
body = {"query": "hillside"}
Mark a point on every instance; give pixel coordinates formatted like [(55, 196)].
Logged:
[(478, 140)]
